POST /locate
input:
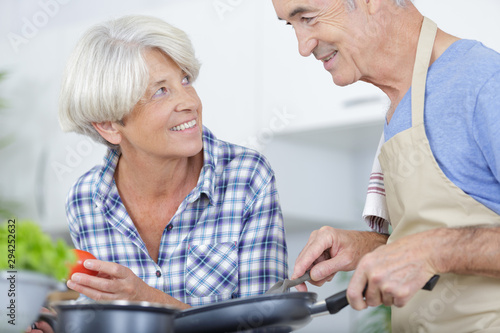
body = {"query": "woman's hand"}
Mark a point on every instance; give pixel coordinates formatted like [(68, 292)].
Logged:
[(117, 282), (41, 326), (331, 250)]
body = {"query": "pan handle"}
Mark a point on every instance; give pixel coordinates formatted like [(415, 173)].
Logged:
[(337, 302), (49, 318)]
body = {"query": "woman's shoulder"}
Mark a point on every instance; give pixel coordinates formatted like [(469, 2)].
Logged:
[(88, 184), (227, 153), (232, 155), (231, 161), (85, 184)]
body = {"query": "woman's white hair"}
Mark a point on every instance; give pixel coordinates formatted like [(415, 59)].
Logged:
[(351, 4), (107, 75)]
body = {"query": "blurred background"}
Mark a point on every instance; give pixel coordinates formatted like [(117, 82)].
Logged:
[(256, 90)]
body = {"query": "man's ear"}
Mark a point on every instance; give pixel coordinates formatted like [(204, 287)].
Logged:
[(373, 6), (109, 131)]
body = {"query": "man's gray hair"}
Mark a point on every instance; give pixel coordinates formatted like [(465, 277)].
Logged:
[(107, 75), (351, 4)]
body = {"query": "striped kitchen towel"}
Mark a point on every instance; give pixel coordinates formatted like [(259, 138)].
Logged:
[(375, 212)]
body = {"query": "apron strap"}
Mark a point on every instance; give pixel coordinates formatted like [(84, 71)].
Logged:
[(422, 60)]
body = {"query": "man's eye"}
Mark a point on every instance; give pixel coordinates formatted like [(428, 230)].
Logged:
[(307, 19)]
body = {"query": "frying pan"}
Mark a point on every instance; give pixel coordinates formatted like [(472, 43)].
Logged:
[(268, 313)]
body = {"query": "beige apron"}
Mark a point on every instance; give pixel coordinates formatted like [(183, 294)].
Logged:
[(420, 197)]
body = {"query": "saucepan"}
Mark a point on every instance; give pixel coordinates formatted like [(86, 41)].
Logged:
[(268, 313), (110, 317)]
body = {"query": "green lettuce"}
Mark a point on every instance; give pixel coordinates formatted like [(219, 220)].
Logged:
[(34, 251)]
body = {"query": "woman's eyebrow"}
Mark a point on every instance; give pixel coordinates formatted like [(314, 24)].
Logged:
[(158, 83)]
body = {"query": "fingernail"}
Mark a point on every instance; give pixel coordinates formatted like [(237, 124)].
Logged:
[(88, 264), (70, 284), (76, 277)]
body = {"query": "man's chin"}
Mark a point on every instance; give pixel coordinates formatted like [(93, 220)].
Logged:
[(340, 82)]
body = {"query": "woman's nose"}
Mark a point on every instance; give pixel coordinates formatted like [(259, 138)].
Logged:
[(187, 100)]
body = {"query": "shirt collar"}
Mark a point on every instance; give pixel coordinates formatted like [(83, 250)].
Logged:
[(206, 181), (106, 181)]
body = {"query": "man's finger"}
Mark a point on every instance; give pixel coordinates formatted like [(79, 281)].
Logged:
[(319, 242), (301, 287), (355, 291)]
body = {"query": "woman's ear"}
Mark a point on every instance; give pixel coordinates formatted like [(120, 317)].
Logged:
[(109, 131)]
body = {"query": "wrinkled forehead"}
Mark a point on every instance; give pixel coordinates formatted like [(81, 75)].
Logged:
[(287, 9)]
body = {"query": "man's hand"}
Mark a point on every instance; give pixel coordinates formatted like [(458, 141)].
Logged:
[(117, 282), (393, 272), (330, 250)]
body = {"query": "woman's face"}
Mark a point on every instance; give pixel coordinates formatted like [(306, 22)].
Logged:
[(166, 122)]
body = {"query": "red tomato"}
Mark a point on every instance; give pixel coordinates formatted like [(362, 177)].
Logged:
[(78, 266)]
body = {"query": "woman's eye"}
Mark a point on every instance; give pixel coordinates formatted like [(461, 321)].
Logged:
[(160, 92), (186, 80)]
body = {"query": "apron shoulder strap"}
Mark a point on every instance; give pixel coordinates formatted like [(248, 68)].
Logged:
[(422, 60)]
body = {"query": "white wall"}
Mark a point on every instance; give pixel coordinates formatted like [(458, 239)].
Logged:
[(251, 74), (253, 83)]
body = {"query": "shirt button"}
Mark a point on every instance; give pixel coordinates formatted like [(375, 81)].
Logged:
[(158, 273), (169, 227)]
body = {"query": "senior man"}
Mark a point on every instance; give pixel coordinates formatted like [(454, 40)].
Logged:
[(440, 160)]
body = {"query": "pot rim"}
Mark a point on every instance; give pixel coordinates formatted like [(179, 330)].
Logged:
[(27, 276), (115, 304)]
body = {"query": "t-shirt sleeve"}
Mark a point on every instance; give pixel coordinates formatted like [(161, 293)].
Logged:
[(487, 123)]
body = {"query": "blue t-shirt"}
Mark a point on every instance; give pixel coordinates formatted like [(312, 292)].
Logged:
[(462, 118)]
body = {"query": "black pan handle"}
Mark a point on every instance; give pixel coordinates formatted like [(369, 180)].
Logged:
[(49, 318), (337, 302), (431, 283)]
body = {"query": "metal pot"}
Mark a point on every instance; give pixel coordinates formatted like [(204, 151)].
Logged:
[(110, 317), (22, 295)]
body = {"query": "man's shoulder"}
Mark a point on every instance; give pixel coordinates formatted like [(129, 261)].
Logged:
[(475, 58)]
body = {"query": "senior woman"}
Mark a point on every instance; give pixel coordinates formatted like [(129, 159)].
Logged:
[(173, 214)]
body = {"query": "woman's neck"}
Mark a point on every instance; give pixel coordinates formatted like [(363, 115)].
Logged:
[(152, 178)]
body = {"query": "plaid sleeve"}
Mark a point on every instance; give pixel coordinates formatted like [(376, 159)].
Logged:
[(71, 213), (79, 205), (262, 246)]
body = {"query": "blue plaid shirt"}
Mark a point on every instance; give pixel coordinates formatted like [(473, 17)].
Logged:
[(226, 239)]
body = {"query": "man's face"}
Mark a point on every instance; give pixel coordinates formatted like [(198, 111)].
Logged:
[(331, 32)]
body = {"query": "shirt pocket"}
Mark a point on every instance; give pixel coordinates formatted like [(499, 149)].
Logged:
[(212, 270)]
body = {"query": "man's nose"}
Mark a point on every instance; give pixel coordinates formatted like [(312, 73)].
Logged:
[(306, 43)]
